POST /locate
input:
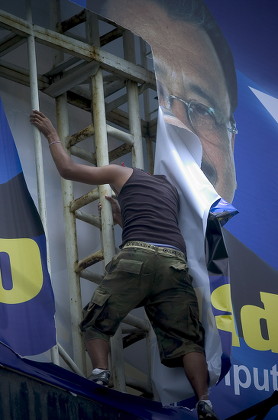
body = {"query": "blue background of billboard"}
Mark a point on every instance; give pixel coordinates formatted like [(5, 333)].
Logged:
[(251, 30)]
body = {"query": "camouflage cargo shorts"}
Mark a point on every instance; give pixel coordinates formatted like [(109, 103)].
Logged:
[(160, 282)]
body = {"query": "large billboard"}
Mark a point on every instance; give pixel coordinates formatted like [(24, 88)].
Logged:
[(217, 139)]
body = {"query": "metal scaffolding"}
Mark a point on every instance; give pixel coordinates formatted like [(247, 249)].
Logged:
[(86, 76)]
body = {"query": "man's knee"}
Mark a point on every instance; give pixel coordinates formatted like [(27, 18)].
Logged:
[(91, 333)]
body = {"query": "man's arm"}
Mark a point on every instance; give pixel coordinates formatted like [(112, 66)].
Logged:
[(115, 175)]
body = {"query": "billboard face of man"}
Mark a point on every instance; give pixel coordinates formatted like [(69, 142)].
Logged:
[(191, 82), (191, 85)]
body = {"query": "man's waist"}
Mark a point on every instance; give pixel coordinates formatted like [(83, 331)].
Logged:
[(160, 248)]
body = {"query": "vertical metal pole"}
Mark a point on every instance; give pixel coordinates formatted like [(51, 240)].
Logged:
[(102, 159), (133, 105), (69, 219), (149, 143), (107, 229), (71, 245), (38, 149)]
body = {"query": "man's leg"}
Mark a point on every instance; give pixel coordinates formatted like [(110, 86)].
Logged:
[(195, 367), (98, 351)]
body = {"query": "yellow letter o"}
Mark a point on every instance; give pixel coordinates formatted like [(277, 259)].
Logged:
[(26, 270)]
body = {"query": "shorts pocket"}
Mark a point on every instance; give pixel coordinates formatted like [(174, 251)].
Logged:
[(124, 265), (98, 300), (130, 266), (179, 266), (181, 272), (99, 297), (95, 307)]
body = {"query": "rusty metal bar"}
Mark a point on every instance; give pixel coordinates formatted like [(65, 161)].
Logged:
[(84, 200), (71, 245), (133, 105), (107, 226), (89, 261), (69, 360), (20, 75), (88, 218)]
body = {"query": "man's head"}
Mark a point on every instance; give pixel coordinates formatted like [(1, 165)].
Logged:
[(195, 73)]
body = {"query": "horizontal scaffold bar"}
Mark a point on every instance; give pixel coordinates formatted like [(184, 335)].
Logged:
[(77, 48)]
